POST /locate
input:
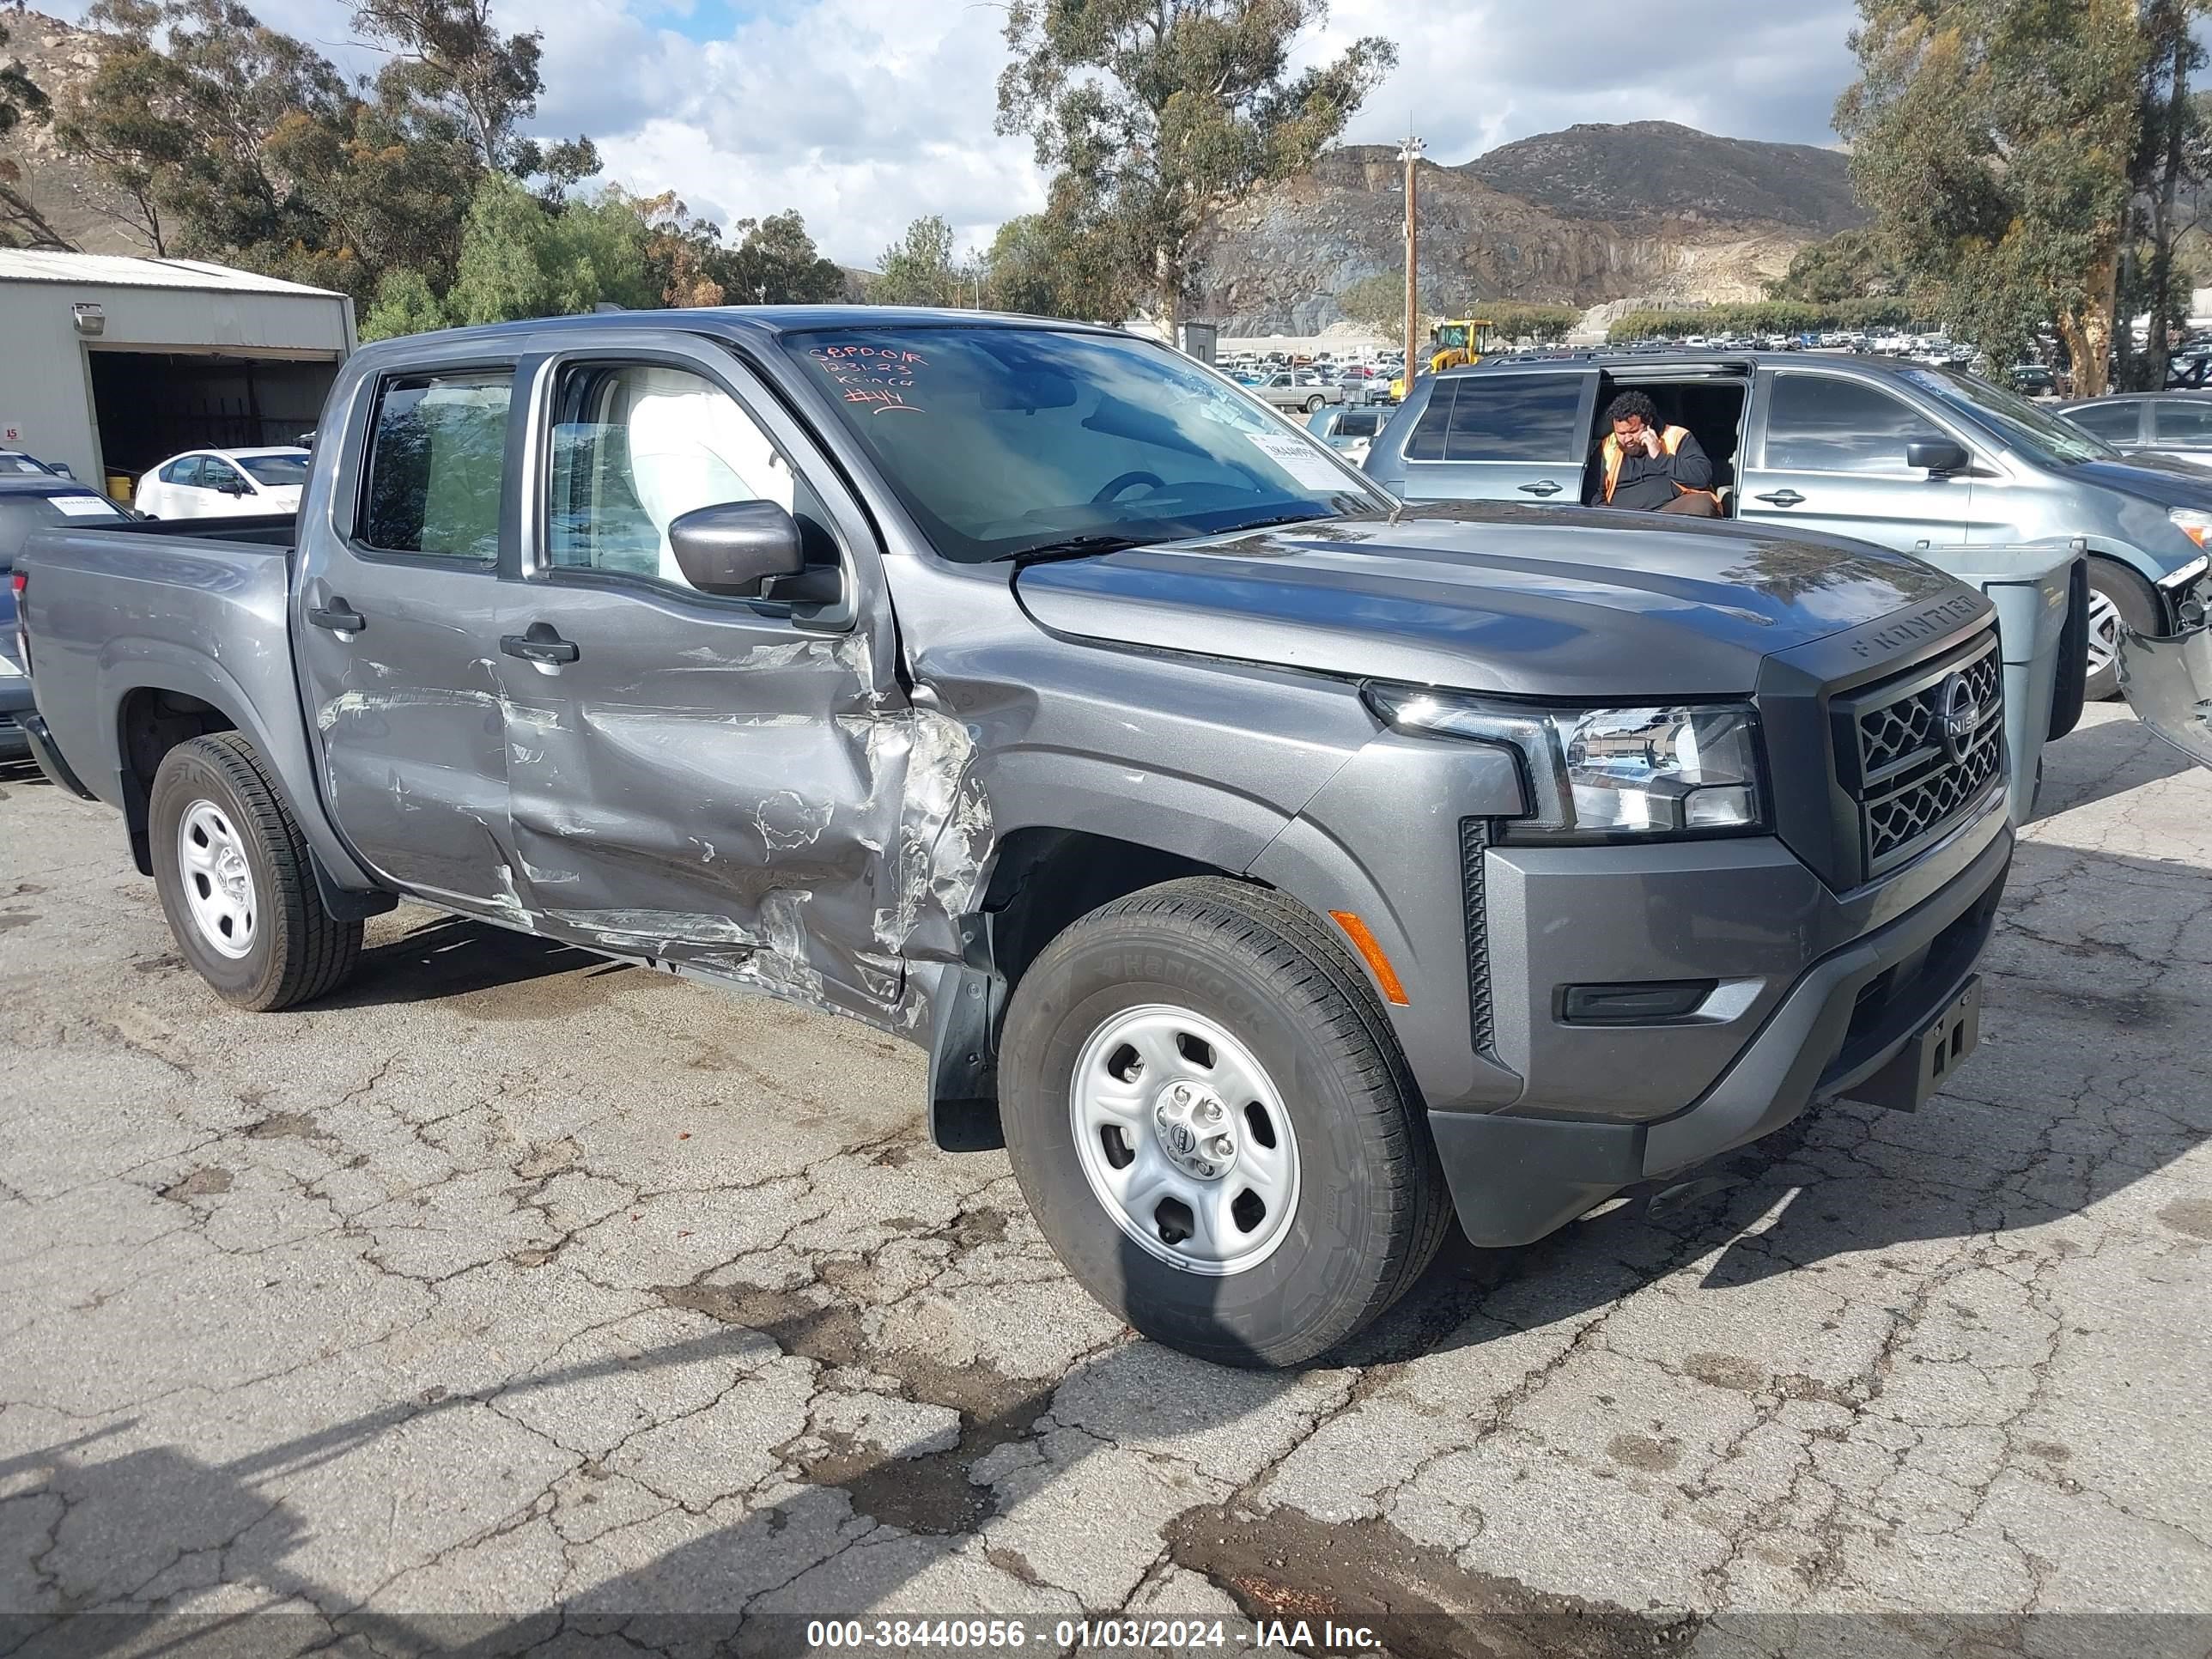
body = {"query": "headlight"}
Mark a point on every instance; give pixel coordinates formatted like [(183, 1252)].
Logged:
[(1609, 773), (2192, 522), (8, 669)]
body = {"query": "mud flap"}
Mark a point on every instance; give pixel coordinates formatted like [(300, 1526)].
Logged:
[(2168, 683)]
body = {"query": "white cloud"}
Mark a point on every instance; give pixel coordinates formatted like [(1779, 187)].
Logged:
[(864, 114), (860, 114), (1471, 76)]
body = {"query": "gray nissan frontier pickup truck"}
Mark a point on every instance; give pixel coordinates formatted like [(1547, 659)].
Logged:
[(1275, 869)]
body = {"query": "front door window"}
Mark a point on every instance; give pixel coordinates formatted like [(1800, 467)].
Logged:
[(1821, 423)]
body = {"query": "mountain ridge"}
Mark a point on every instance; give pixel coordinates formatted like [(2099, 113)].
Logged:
[(1594, 213)]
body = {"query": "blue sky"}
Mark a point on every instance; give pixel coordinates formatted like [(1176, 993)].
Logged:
[(864, 114)]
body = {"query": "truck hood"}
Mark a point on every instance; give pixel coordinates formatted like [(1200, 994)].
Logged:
[(1491, 596)]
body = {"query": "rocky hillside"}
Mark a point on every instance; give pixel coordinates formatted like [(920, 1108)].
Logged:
[(75, 202), (1647, 211)]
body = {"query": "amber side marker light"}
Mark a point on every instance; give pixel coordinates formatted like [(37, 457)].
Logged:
[(1371, 954)]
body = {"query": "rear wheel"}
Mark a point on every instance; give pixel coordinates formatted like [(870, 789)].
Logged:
[(1208, 1114), (237, 881), (2116, 595), (1314, 403)]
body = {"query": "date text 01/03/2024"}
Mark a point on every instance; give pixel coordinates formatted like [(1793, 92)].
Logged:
[(988, 1635)]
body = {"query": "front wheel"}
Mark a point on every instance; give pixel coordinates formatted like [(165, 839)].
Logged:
[(1209, 1115), (2116, 595), (237, 881)]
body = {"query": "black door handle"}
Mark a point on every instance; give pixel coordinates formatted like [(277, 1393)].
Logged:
[(1545, 487), (338, 615), (1784, 498), (543, 643)]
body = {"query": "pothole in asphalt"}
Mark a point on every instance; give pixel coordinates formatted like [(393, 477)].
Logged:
[(1415, 1600), (200, 1183), (1642, 1451), (932, 1494), (2192, 1216), (284, 1126)]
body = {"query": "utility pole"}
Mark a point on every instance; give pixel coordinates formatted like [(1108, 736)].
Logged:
[(1410, 154)]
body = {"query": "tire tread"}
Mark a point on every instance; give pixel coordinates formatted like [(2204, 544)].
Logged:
[(1312, 964), (312, 951)]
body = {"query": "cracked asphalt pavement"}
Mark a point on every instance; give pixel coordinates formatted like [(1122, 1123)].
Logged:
[(572, 1305)]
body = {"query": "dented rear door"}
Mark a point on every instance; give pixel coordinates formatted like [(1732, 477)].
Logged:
[(395, 621), (712, 783)]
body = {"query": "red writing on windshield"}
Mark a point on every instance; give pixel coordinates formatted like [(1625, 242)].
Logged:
[(877, 376), (885, 398)]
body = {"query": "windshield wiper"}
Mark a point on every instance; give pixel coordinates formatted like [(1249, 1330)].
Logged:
[(1072, 547), (1270, 524)]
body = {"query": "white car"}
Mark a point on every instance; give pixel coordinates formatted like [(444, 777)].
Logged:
[(224, 484)]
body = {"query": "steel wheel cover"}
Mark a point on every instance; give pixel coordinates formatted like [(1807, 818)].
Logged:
[(1184, 1139)]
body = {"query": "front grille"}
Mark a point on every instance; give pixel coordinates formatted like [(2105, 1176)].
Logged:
[(1916, 752), (1474, 843)]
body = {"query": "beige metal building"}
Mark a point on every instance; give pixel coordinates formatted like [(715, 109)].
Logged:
[(111, 364)]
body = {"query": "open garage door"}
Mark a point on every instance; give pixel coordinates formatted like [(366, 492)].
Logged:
[(150, 405)]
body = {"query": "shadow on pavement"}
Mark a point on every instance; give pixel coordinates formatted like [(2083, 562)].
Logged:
[(2099, 759), (449, 957)]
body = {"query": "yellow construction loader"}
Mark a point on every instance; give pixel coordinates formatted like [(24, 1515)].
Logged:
[(1453, 343)]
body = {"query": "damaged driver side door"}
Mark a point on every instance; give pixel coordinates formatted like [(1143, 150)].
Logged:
[(707, 781)]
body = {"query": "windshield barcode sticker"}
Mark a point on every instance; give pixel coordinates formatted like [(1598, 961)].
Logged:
[(1296, 457)]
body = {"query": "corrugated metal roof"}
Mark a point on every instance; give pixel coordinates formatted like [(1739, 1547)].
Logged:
[(117, 271)]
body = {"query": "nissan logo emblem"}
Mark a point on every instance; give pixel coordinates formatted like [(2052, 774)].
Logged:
[(1960, 716)]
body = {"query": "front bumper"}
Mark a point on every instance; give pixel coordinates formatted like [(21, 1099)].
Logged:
[(1517, 1175), (2168, 683)]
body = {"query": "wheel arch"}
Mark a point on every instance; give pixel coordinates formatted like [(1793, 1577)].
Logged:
[(2145, 567), (1042, 877), (153, 713)]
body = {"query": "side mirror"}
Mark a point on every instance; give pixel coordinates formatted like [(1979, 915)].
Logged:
[(735, 548), (1936, 455)]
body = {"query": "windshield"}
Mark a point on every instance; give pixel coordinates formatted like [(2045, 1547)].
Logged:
[(1007, 442), (2012, 418), (278, 472)]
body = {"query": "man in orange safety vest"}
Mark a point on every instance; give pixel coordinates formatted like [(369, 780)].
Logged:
[(1649, 468)]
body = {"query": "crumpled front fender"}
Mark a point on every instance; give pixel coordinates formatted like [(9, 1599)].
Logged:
[(2168, 683)]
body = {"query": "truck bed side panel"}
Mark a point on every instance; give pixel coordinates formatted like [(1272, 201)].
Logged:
[(111, 612)]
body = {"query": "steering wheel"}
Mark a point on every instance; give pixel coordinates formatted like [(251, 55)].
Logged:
[(1114, 487)]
